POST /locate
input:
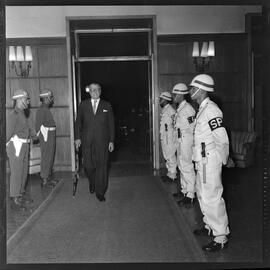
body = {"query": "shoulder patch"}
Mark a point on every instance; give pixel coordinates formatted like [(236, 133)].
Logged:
[(215, 123), (191, 119)]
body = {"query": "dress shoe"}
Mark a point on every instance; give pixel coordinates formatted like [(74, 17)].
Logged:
[(203, 232), (213, 246), (101, 198), (91, 189)]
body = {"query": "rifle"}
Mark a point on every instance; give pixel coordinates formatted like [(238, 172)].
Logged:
[(76, 174), (204, 161)]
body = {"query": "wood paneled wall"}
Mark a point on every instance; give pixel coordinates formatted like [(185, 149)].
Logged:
[(228, 68), (175, 64), (49, 70)]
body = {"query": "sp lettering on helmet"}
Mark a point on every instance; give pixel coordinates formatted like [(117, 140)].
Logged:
[(215, 123)]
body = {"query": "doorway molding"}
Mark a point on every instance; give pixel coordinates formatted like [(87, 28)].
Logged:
[(82, 23)]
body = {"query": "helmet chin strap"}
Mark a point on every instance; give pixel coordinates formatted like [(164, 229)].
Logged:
[(196, 92)]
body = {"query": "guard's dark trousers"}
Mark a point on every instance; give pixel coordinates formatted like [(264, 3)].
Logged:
[(18, 169), (47, 154)]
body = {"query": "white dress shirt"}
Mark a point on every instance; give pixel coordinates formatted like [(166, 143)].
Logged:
[(92, 101)]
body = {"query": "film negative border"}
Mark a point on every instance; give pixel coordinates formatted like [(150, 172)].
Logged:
[(2, 136), (266, 135)]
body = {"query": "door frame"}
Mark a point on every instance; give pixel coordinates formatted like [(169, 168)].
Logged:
[(153, 99)]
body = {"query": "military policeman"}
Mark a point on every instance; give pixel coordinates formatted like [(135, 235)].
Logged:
[(210, 151), (46, 130), (167, 136), (183, 128), (19, 132)]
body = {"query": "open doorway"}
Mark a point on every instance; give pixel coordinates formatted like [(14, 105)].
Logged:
[(119, 52), (125, 84)]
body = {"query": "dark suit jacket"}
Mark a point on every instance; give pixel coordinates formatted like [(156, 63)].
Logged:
[(95, 128)]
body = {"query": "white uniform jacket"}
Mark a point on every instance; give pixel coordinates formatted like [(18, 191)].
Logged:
[(209, 129), (184, 121), (166, 125)]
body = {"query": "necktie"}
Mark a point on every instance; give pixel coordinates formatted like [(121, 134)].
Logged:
[(95, 106)]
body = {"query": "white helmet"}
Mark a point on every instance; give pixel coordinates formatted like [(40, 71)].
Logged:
[(166, 96), (46, 93), (19, 94), (180, 88), (203, 82)]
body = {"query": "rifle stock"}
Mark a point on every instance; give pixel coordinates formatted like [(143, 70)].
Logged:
[(76, 174)]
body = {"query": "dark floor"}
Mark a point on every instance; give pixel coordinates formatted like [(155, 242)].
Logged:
[(135, 224), (135, 160), (242, 193), (243, 197)]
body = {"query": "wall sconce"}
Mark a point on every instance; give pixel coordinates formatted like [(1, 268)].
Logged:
[(20, 61), (202, 60)]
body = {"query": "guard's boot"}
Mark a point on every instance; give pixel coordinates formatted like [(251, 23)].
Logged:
[(186, 201), (25, 199), (54, 181), (213, 246), (178, 195), (45, 183), (17, 205)]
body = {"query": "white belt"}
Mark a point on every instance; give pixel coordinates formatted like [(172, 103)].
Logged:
[(21, 140), (51, 128), (44, 131), (17, 142)]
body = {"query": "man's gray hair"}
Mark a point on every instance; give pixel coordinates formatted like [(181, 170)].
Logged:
[(97, 84)]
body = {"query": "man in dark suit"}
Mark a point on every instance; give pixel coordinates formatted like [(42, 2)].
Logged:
[(94, 130)]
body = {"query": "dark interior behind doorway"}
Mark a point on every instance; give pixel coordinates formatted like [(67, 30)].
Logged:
[(125, 85)]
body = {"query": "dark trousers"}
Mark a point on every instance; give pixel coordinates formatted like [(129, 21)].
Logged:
[(95, 162), (18, 169), (47, 150)]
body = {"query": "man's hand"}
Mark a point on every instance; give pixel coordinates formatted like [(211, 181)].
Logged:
[(77, 144), (111, 146)]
